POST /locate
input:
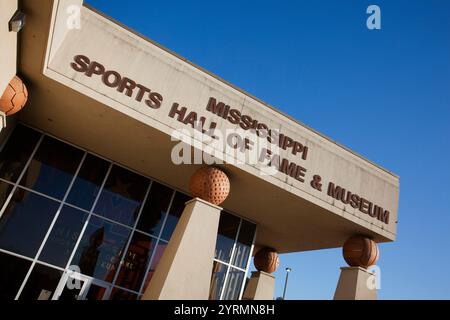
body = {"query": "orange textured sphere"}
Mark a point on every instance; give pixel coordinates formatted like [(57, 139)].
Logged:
[(210, 184), (14, 97), (266, 260), (359, 251)]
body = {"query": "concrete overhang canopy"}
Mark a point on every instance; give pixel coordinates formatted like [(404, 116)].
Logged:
[(81, 108)]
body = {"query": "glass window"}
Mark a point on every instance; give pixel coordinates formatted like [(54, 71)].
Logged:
[(27, 217), (41, 284), (95, 292), (63, 236), (174, 215), (118, 294), (122, 196), (226, 235), (217, 280), (17, 151), (25, 222), (88, 182), (159, 250), (135, 263), (234, 284), (5, 190), (52, 168), (155, 209), (71, 293), (100, 249), (226, 239), (244, 244), (12, 274)]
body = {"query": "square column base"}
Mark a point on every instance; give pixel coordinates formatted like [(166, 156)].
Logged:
[(355, 284), (261, 286)]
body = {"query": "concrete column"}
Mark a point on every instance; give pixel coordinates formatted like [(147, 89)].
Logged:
[(355, 283), (185, 269), (261, 286)]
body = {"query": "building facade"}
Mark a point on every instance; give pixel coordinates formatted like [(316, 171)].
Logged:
[(106, 186)]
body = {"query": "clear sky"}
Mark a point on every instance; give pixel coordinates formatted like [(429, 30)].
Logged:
[(383, 93)]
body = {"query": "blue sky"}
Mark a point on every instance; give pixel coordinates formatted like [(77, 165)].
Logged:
[(383, 93)]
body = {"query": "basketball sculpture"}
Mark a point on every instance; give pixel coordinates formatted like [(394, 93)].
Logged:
[(14, 97), (267, 260), (210, 184), (359, 251)]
